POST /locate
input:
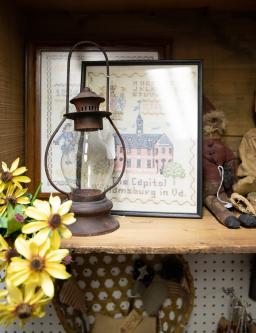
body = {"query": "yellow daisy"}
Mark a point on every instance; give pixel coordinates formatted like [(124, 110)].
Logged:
[(13, 196), (3, 294), (13, 175), (24, 304), (6, 253), (40, 265), (49, 219)]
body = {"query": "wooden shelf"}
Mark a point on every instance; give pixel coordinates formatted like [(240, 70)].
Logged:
[(168, 235)]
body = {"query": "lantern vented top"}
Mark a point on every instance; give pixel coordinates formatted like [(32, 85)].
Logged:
[(88, 116), (88, 99)]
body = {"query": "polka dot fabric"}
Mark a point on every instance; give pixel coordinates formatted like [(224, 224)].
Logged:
[(106, 281)]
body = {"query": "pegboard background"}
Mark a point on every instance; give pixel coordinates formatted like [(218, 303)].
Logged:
[(211, 272)]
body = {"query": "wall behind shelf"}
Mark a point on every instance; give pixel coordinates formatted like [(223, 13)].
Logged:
[(11, 83), (225, 41), (227, 44)]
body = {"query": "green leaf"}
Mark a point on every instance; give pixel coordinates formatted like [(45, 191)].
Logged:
[(13, 224), (3, 222), (30, 196), (19, 209)]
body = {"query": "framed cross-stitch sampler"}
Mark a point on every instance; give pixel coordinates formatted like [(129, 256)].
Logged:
[(157, 107)]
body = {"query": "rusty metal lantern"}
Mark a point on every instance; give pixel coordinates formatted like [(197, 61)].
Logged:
[(91, 206)]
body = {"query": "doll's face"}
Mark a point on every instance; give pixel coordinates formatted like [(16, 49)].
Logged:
[(214, 151), (214, 123)]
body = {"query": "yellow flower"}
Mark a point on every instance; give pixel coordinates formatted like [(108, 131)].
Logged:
[(6, 253), (49, 219), (24, 303), (40, 265), (12, 175), (3, 294), (13, 196)]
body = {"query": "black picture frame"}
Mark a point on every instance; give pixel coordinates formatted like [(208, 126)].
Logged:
[(184, 64)]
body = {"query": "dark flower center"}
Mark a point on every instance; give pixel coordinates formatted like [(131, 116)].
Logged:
[(6, 176), (9, 254), (37, 264), (23, 311), (11, 200), (55, 221)]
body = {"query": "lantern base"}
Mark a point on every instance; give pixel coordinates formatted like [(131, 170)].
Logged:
[(93, 218)]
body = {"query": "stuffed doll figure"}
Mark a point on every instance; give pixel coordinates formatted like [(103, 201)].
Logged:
[(216, 159), (219, 169), (246, 171)]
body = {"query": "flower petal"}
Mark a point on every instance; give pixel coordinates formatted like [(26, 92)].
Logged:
[(44, 247), (35, 278), (2, 186), (18, 264), (58, 271), (10, 190), (55, 203), (22, 246), (32, 227), (18, 278), (43, 207), (40, 313), (15, 164), (19, 171), (55, 240), (2, 210), (36, 214), (47, 284), (65, 207), (3, 293), (65, 232), (39, 298), (3, 244), (17, 184), (33, 247), (3, 265), (14, 294), (23, 200), (20, 192), (21, 179), (42, 235), (29, 291), (68, 219), (56, 255), (5, 167), (3, 255)]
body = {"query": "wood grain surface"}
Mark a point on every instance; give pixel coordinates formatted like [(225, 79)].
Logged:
[(168, 235)]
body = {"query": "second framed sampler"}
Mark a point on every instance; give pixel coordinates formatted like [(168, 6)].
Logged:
[(157, 107)]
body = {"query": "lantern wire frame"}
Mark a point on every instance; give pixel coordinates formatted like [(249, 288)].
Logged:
[(92, 198)]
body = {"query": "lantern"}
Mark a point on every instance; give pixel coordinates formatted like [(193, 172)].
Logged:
[(88, 162)]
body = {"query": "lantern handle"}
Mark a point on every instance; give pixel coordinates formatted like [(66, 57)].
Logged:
[(68, 71), (124, 153), (45, 159)]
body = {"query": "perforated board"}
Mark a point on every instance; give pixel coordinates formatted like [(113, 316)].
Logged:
[(211, 272)]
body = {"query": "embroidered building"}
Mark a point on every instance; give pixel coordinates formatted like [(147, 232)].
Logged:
[(146, 153)]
